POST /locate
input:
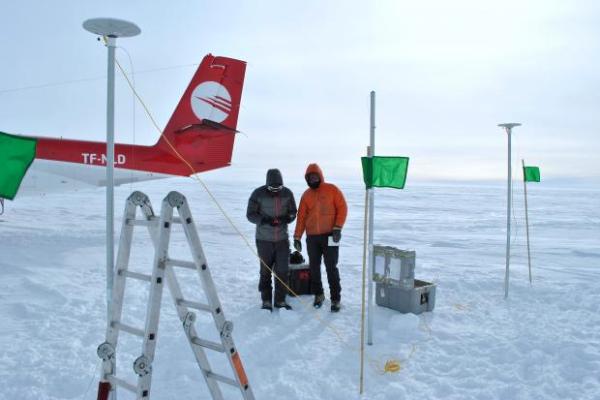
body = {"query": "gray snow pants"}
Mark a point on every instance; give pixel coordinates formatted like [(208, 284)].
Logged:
[(277, 256)]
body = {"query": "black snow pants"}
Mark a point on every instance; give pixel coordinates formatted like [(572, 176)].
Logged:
[(317, 247), (277, 256)]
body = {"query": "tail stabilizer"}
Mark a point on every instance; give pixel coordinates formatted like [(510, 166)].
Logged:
[(203, 126)]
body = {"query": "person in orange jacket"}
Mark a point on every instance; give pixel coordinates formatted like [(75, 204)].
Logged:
[(321, 214)]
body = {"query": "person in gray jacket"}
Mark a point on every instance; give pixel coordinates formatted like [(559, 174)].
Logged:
[(272, 207)]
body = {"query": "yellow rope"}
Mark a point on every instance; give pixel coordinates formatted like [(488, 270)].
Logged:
[(391, 366)]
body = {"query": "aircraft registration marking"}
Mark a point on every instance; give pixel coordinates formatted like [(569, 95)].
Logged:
[(100, 159)]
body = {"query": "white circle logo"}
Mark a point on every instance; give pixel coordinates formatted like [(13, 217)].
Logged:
[(211, 100)]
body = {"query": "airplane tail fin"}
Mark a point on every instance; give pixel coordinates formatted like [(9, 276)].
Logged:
[(203, 126)]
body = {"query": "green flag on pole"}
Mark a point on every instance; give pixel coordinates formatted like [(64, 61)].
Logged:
[(385, 171), (531, 174), (16, 155)]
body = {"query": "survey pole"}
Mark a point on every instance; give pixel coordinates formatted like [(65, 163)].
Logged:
[(110, 165), (110, 29), (508, 128), (371, 197), (526, 221)]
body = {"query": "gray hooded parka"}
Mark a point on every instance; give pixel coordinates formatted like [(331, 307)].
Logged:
[(264, 206)]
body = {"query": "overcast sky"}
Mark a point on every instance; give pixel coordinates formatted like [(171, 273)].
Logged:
[(445, 72)]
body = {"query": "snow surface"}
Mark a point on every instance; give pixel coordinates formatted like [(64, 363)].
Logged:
[(541, 343)]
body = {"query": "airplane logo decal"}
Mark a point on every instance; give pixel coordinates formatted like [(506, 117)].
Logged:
[(211, 100)]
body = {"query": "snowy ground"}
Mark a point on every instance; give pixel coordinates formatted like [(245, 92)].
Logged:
[(541, 343)]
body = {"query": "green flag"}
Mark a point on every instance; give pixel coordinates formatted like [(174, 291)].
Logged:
[(16, 155), (385, 171), (531, 174)]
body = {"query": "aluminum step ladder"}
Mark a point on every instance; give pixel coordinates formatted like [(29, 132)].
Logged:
[(163, 270)]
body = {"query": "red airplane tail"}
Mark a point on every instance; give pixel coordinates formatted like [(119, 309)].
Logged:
[(199, 136), (203, 126)]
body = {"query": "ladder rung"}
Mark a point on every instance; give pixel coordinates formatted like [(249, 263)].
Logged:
[(152, 221), (222, 378), (194, 305), (180, 263), (129, 329), (208, 344), (114, 381), (143, 222), (136, 275)]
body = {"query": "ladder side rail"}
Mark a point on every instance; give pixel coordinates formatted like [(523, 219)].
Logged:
[(224, 327), (202, 265), (109, 366), (121, 265), (183, 312), (187, 319), (144, 362)]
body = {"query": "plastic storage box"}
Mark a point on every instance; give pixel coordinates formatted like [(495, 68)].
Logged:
[(416, 300), (396, 286)]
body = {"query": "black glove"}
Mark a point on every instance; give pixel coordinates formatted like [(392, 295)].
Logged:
[(297, 245), (336, 234), (286, 219)]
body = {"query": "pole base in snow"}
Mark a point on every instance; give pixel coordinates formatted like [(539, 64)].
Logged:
[(103, 390)]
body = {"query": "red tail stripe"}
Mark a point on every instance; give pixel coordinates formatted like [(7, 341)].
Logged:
[(224, 100), (216, 105), (223, 103)]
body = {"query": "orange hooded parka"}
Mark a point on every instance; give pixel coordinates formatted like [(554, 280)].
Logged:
[(321, 209)]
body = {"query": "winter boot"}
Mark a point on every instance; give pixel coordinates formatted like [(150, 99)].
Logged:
[(319, 299), (283, 304), (335, 306), (266, 305)]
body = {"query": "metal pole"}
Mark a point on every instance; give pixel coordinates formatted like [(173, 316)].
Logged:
[(508, 198), (110, 29), (526, 221), (508, 127), (110, 164), (371, 208)]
